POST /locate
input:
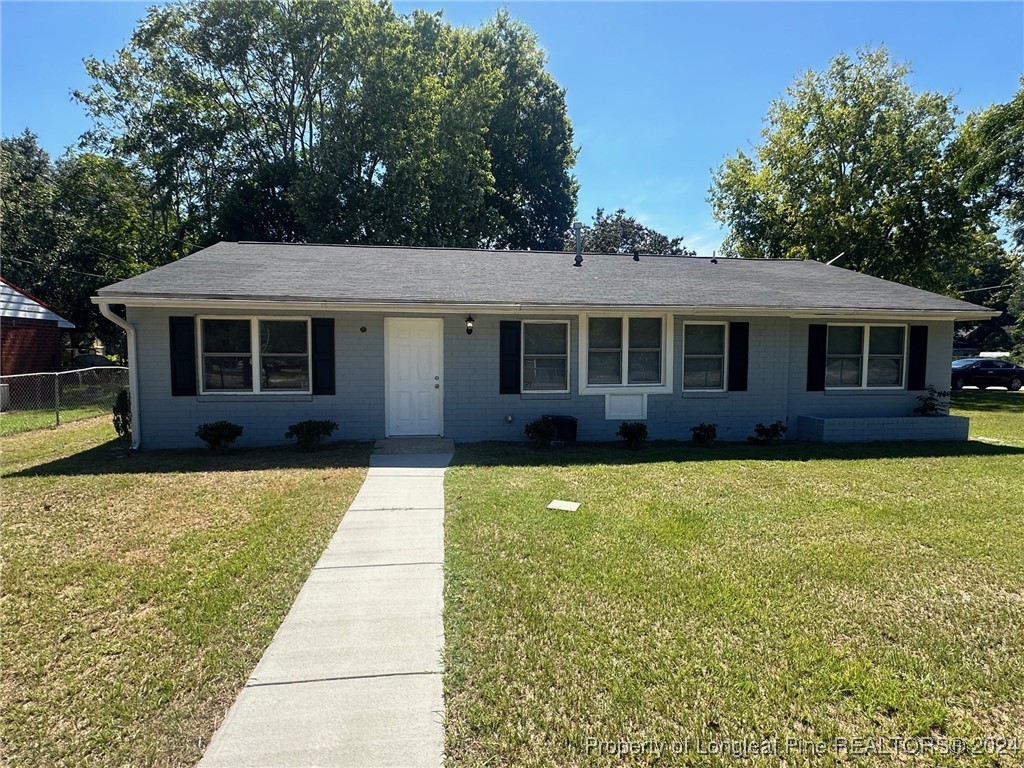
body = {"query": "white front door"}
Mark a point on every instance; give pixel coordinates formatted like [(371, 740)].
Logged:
[(415, 363)]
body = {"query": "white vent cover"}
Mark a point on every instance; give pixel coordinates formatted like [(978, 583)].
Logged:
[(619, 407)]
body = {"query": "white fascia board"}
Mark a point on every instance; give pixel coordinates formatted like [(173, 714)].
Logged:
[(306, 305)]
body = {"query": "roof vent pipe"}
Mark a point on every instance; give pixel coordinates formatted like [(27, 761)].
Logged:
[(577, 227)]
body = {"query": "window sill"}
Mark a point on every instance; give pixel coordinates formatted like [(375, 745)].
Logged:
[(250, 397), (705, 394), (632, 389)]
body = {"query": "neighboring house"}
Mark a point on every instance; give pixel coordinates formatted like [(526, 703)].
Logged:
[(30, 332), (473, 345)]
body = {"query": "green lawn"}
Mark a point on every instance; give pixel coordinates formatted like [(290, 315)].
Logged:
[(138, 593), (801, 592), (13, 422), (995, 415)]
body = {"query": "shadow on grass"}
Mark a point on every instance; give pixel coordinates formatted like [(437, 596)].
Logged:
[(109, 459), (521, 454), (988, 400)]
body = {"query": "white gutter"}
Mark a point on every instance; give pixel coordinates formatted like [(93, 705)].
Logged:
[(133, 378), (306, 305)]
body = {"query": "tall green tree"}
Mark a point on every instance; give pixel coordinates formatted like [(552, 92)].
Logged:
[(70, 227), (854, 162), (992, 144), (27, 232), (340, 121), (529, 139), (990, 148), (620, 233)]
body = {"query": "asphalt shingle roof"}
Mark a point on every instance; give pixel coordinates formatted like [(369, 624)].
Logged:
[(354, 274)]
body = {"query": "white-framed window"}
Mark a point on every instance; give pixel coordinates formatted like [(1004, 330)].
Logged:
[(545, 356), (866, 357), (254, 354), (625, 351), (704, 355)]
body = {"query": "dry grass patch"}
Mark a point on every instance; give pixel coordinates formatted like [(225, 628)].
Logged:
[(138, 593)]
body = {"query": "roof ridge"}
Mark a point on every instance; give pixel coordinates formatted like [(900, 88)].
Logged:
[(445, 248)]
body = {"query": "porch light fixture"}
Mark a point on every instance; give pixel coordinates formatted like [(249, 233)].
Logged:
[(469, 324)]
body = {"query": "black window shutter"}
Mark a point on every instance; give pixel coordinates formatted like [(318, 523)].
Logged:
[(739, 354), (817, 349), (183, 356), (322, 331), (509, 345), (917, 357)]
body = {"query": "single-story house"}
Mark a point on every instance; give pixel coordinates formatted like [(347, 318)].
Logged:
[(30, 332), (473, 344)]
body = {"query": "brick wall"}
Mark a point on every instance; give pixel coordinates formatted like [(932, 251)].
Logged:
[(28, 346)]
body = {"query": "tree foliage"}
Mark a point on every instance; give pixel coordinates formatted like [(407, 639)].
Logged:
[(620, 233), (990, 148), (70, 227), (341, 122), (853, 162), (992, 143)]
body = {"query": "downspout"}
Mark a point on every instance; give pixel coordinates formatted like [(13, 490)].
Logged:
[(133, 379)]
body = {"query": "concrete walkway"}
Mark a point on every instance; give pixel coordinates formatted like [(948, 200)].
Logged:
[(353, 675)]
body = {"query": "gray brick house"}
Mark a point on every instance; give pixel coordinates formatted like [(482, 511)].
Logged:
[(472, 345)]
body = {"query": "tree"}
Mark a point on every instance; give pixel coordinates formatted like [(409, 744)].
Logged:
[(71, 227), (990, 148), (853, 162), (620, 233), (27, 233), (339, 121), (993, 145), (529, 140), (990, 282)]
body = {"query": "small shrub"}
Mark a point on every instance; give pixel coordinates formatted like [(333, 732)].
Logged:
[(218, 434), (767, 435), (122, 413), (704, 434), (309, 433), (541, 432), (634, 433), (933, 403)]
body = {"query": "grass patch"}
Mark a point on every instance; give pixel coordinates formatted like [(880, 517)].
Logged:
[(995, 415), (138, 593), (807, 592), (15, 422)]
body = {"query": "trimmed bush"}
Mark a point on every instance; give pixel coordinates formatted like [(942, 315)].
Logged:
[(541, 432), (309, 433), (218, 434), (633, 433), (767, 435), (704, 434)]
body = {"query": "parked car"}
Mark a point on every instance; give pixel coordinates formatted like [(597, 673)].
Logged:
[(983, 372)]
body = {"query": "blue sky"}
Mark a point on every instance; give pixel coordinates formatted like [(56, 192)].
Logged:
[(659, 92)]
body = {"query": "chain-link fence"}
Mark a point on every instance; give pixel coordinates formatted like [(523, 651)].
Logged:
[(38, 400)]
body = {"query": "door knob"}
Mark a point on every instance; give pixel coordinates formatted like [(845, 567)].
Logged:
[(437, 378), (437, 386)]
